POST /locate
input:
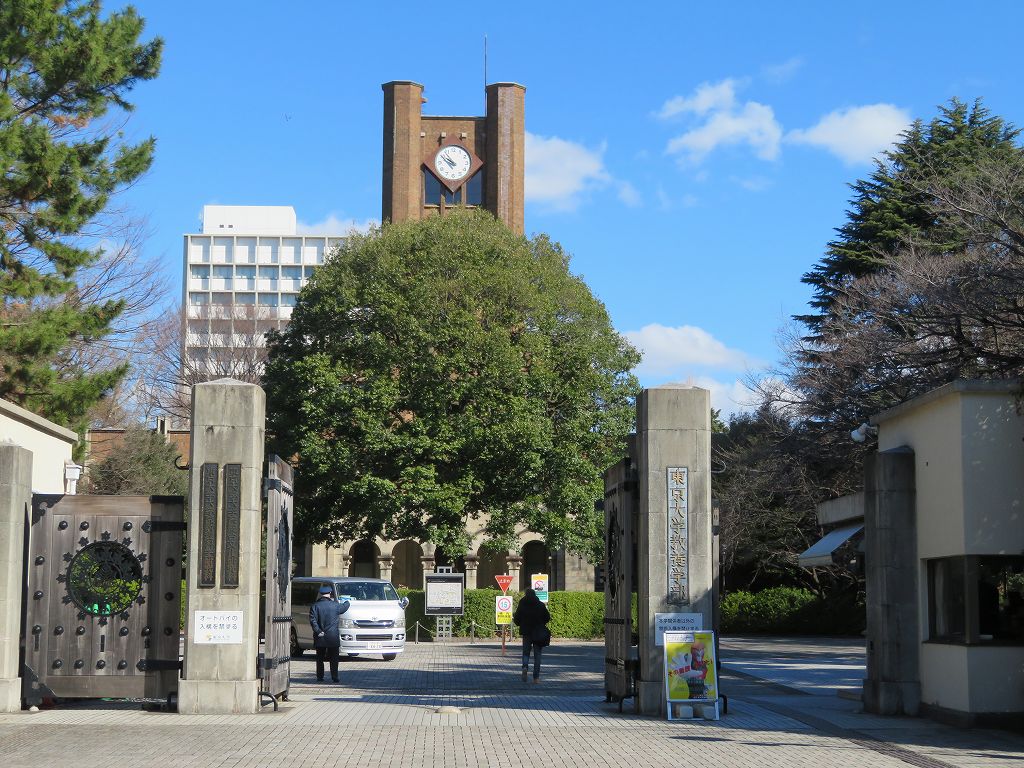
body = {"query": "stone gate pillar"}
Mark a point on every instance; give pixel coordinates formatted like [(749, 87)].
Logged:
[(472, 565), (15, 501), (674, 552), (225, 528)]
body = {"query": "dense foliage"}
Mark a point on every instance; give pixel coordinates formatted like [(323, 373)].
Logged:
[(65, 67), (785, 610), (442, 370), (141, 462)]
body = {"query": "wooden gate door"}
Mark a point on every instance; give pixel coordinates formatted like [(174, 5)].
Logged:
[(619, 517), (275, 662), (102, 597)]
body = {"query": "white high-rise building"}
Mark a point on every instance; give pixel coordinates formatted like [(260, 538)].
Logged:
[(242, 277)]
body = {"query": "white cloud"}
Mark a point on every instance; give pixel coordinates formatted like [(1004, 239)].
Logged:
[(559, 172), (335, 225), (780, 73), (754, 124), (726, 122), (708, 97), (629, 195), (666, 350), (856, 134), (754, 183)]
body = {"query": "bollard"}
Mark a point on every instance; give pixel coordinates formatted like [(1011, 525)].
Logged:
[(472, 631), (417, 631)]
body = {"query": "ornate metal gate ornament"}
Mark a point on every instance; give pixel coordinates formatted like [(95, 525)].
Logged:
[(104, 578)]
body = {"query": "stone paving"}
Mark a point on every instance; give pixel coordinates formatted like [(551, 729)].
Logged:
[(385, 714)]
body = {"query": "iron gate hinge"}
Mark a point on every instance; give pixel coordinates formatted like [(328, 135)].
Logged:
[(276, 484), (158, 665)]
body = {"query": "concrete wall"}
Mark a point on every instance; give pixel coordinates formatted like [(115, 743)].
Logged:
[(932, 431), (50, 444), (968, 439)]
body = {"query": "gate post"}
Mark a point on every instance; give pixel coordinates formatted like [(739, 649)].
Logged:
[(224, 534), (15, 501), (674, 567)]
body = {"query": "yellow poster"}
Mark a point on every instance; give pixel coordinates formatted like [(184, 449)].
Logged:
[(503, 610), (690, 666)]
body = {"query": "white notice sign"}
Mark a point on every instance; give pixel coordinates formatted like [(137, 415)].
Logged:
[(676, 622), (218, 627)]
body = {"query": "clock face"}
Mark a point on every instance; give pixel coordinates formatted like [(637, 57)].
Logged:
[(452, 162)]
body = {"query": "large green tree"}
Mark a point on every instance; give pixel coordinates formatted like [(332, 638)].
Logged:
[(894, 206), (65, 71), (436, 371)]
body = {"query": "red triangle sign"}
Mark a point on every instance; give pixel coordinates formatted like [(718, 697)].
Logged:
[(503, 581)]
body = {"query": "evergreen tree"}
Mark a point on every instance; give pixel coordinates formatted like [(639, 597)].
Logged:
[(893, 207), (441, 370), (64, 67)]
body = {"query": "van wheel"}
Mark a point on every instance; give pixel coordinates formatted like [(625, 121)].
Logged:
[(293, 642), (390, 656)]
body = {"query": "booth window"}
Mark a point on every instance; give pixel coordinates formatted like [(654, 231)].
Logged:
[(976, 599)]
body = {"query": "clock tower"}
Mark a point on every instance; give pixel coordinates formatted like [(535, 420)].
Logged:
[(434, 163)]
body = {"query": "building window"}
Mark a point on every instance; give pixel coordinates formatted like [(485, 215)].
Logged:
[(946, 610), (1001, 599), (473, 192), (434, 190), (289, 299), (976, 599), (200, 273), (268, 299)]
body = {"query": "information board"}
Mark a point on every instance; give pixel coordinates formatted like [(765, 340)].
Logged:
[(539, 582), (502, 610), (676, 622), (444, 594), (218, 627), (690, 671)]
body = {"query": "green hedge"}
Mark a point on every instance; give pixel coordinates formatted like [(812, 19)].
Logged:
[(573, 614), (779, 610), (787, 610)]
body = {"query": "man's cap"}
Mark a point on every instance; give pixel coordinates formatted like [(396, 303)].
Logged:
[(325, 590)]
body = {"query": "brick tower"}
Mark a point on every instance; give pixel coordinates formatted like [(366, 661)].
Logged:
[(434, 163)]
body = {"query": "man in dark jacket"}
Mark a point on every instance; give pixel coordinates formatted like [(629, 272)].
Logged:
[(323, 618), (531, 617)]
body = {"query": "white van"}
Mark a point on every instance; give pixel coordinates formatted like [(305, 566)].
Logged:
[(373, 623)]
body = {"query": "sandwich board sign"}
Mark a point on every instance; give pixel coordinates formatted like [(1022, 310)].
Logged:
[(504, 581), (503, 610), (539, 582), (690, 671)]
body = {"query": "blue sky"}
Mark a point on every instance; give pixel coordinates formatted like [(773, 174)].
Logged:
[(693, 157)]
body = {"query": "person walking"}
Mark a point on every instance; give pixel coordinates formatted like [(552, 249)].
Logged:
[(532, 618), (323, 618)]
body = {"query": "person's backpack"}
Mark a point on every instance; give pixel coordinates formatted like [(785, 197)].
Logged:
[(542, 636)]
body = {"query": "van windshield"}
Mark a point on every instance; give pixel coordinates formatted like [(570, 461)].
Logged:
[(367, 590)]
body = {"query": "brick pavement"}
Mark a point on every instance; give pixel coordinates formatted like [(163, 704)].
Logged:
[(384, 714)]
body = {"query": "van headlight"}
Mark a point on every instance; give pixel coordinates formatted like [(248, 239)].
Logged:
[(400, 622), (346, 623)]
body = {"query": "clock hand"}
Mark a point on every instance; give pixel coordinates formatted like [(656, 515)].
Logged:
[(451, 163)]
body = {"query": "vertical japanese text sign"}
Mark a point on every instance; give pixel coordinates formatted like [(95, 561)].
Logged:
[(678, 536)]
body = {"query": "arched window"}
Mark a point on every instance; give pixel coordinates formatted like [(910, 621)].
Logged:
[(407, 566), (364, 560), (536, 559)]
